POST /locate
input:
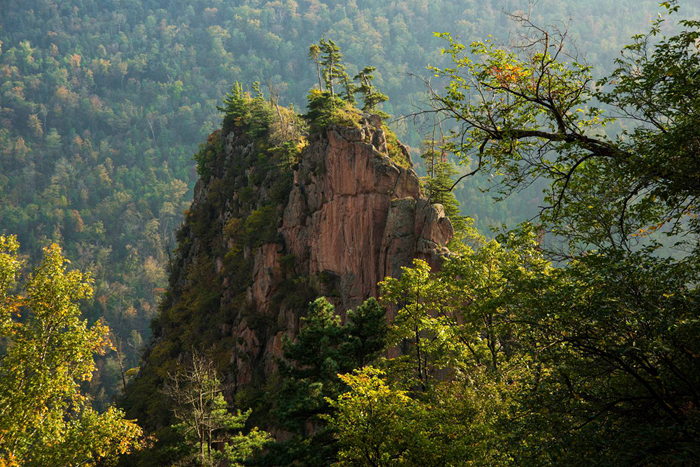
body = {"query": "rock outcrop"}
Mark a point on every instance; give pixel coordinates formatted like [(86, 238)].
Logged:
[(268, 240), (358, 216)]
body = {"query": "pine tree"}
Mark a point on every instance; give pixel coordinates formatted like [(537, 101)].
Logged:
[(314, 55), (234, 105), (350, 89), (333, 69), (323, 349), (439, 183), (370, 94)]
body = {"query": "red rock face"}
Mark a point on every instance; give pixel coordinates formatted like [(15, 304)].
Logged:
[(358, 216), (354, 217)]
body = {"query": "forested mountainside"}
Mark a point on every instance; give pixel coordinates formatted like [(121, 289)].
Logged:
[(497, 352), (104, 103)]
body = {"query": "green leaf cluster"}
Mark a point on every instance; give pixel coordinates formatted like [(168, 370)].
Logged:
[(45, 417), (309, 377)]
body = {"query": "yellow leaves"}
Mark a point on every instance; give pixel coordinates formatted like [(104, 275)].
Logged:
[(302, 144), (508, 74), (47, 420), (642, 233), (75, 60), (8, 460)]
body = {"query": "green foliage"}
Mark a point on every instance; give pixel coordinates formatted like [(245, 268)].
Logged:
[(616, 340), (370, 94), (102, 103), (439, 186), (397, 153), (204, 159), (325, 110), (235, 106), (205, 421), (366, 333), (332, 68), (459, 318), (323, 349), (379, 424), (261, 226), (252, 113), (46, 419), (655, 83), (594, 362)]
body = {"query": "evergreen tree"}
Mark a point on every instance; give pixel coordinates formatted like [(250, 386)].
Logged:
[(350, 89), (439, 184), (366, 333), (234, 106), (370, 94), (314, 55), (331, 64), (323, 349)]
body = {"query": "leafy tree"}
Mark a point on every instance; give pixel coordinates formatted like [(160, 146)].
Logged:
[(253, 113), (45, 419), (614, 336), (535, 117), (460, 319), (198, 404), (379, 424), (424, 336), (326, 106)]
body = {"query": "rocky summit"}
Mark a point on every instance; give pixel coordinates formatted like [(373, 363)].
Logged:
[(263, 238)]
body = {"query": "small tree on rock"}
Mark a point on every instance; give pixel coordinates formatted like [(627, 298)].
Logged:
[(370, 94), (199, 405)]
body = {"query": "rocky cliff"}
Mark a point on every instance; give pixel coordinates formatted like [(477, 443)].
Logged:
[(353, 218), (267, 233)]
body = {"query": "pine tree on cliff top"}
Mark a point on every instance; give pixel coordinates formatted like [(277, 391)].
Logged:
[(370, 93)]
